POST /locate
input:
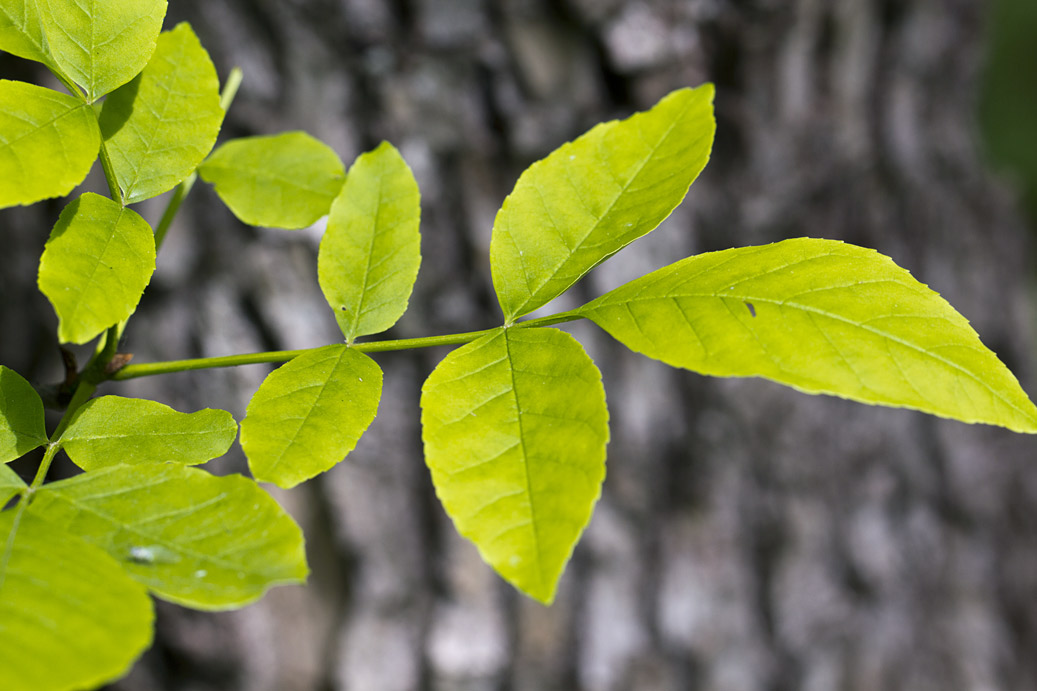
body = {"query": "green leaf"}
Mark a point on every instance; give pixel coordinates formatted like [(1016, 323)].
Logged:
[(48, 143), (515, 428), (101, 45), (22, 426), (309, 413), (10, 484), (823, 317), (159, 126), (95, 266), (287, 180), (21, 30), (193, 538), (111, 431), (371, 251), (594, 196), (70, 617)]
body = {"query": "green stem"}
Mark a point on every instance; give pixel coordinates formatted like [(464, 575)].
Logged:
[(278, 356), (64, 79), (230, 88), (561, 317), (83, 393), (41, 472), (170, 366), (109, 175), (172, 208)]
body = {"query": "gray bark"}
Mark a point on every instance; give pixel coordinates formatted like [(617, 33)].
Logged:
[(748, 536)]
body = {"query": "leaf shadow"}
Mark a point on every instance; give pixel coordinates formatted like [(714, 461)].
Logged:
[(118, 107)]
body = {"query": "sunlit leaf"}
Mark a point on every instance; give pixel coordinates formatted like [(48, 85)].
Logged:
[(283, 181), (595, 195), (99, 44), (193, 538), (70, 617), (97, 262), (371, 251), (821, 316), (48, 143), (111, 430), (21, 30), (310, 413), (10, 484), (515, 428), (21, 417), (159, 126)]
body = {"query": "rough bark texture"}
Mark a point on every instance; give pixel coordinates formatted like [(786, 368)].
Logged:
[(748, 537)]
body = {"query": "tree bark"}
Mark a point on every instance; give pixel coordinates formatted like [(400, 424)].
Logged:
[(748, 536)]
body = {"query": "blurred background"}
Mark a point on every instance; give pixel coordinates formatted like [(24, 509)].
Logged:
[(748, 537)]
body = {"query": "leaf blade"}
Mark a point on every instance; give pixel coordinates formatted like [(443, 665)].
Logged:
[(111, 430), (625, 177), (370, 253), (309, 414), (49, 143), (22, 424), (287, 180), (159, 126), (21, 30), (59, 593), (95, 266), (102, 45), (823, 317), (192, 538), (515, 428), (10, 484)]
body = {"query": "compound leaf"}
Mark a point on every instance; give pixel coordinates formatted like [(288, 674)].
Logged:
[(101, 44), (112, 430), (48, 143), (158, 127), (595, 195), (70, 617), (193, 538), (286, 180), (309, 413), (515, 428), (371, 251), (21, 30), (10, 484), (95, 266), (820, 316), (22, 426)]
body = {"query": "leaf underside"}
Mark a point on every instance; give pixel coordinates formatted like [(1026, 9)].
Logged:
[(111, 430), (823, 317), (195, 539), (70, 617), (515, 428)]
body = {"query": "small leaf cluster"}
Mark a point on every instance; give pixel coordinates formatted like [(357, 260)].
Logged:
[(514, 422)]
